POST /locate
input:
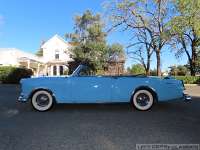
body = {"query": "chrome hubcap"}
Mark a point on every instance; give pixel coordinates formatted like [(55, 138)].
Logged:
[(142, 99), (42, 100)]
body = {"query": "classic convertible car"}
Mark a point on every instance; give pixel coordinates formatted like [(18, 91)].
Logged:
[(82, 87)]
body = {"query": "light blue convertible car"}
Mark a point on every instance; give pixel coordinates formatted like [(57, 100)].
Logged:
[(82, 87)]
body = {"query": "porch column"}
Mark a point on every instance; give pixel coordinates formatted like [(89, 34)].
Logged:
[(46, 69), (51, 71), (58, 70), (38, 69), (28, 63)]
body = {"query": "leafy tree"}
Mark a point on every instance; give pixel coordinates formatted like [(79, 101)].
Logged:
[(136, 69), (40, 50), (185, 31), (90, 40), (198, 63), (115, 48), (147, 22), (116, 52), (179, 70)]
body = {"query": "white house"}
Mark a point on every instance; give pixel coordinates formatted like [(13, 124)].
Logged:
[(54, 62)]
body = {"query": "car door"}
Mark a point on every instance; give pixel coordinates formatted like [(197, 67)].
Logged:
[(122, 88), (90, 89)]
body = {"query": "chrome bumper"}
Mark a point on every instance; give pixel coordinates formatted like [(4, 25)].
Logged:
[(187, 97), (22, 98)]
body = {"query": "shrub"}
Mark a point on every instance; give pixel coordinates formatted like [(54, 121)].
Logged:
[(189, 79), (4, 71), (13, 75)]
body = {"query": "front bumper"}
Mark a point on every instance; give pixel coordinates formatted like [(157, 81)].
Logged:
[(22, 98)]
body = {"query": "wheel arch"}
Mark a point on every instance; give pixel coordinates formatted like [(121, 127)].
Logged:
[(148, 88), (41, 89)]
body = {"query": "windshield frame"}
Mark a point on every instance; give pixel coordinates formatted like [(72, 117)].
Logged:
[(77, 70), (76, 73)]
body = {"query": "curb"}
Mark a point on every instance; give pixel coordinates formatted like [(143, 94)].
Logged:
[(192, 84)]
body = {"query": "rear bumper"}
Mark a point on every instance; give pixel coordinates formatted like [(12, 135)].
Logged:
[(187, 97)]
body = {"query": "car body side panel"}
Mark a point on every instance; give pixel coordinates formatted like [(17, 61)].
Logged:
[(124, 87), (170, 90), (60, 87), (90, 89), (101, 89)]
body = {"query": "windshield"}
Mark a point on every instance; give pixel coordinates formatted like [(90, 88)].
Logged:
[(82, 70)]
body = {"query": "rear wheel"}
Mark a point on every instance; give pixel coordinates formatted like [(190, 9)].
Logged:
[(143, 100), (42, 100)]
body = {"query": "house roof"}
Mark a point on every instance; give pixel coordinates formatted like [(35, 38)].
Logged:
[(20, 54), (56, 36)]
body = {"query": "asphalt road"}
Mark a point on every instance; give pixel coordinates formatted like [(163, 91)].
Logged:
[(95, 127)]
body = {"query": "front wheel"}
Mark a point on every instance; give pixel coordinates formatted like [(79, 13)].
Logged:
[(42, 100), (143, 100)]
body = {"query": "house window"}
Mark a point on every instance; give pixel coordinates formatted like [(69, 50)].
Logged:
[(57, 54)]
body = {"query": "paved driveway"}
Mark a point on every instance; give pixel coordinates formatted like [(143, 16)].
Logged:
[(96, 127)]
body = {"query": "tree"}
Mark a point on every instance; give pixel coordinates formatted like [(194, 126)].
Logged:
[(141, 50), (136, 69), (90, 41), (116, 48), (40, 50), (146, 17), (153, 72), (185, 31), (115, 51), (198, 63), (179, 70)]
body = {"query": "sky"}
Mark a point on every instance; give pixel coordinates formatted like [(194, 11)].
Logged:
[(25, 23)]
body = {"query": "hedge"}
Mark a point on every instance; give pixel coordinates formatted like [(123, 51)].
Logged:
[(13, 75), (189, 79)]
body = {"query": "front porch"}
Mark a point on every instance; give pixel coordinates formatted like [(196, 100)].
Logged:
[(55, 68)]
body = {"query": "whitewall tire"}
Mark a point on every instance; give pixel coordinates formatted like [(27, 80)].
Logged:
[(42, 100), (143, 100)]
